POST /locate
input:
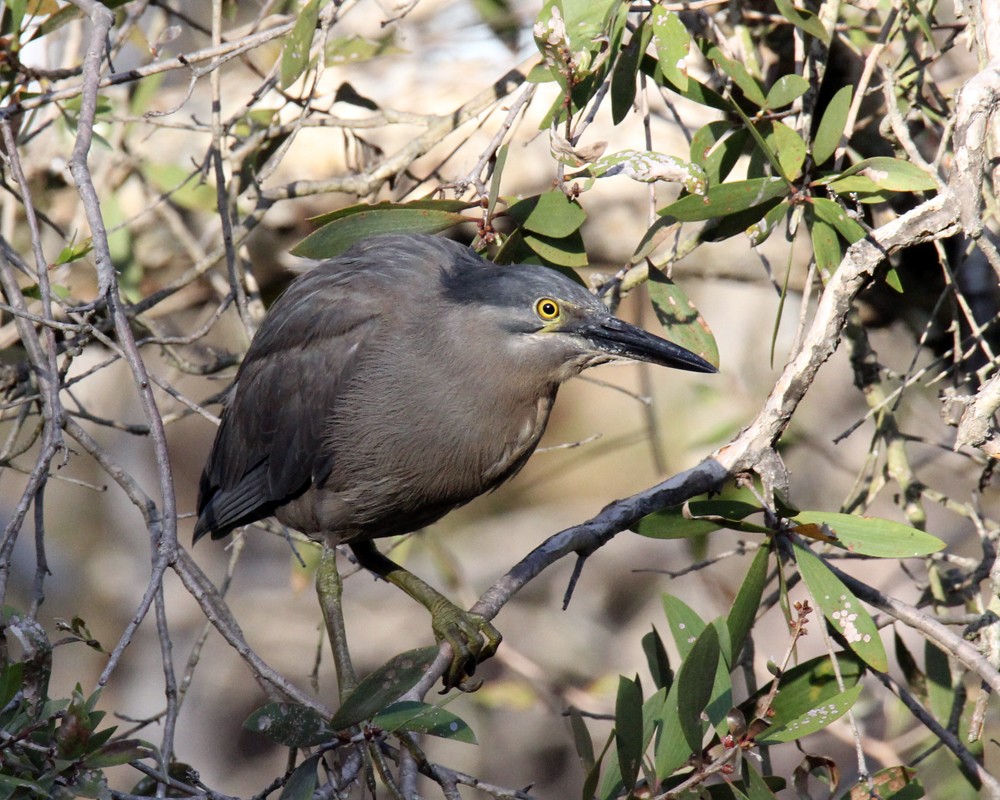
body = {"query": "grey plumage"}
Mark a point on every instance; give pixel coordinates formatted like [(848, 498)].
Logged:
[(391, 385), (394, 383)]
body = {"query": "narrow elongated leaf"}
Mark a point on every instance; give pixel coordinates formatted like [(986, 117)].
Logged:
[(717, 148), (725, 199), (740, 75), (387, 683), (416, 717), (759, 232), (679, 317), (342, 228), (786, 147), (302, 782), (803, 19), (842, 609), (831, 126), (657, 659), (652, 714), (833, 214), (893, 174), (786, 89), (940, 693), (807, 686), (825, 243), (873, 536), (290, 724), (747, 602), (673, 44), (623, 75), (565, 252), (685, 624), (672, 749), (551, 214), (702, 516), (628, 730), (119, 752), (694, 685), (581, 738), (756, 788), (295, 53), (815, 719)]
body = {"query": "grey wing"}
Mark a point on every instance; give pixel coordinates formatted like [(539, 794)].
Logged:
[(267, 450)]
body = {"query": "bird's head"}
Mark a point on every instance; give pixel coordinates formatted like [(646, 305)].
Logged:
[(551, 320)]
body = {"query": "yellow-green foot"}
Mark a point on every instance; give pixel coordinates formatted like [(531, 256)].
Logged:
[(472, 638)]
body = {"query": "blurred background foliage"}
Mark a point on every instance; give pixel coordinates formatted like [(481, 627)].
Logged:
[(705, 166)]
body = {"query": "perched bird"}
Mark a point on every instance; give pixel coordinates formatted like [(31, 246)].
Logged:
[(396, 382)]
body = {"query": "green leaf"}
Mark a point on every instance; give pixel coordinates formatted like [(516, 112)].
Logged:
[(726, 199), (552, 214), (826, 245), (417, 717), (747, 603), (118, 752), (759, 232), (295, 53), (74, 251), (581, 738), (11, 678), (357, 49), (873, 536), (569, 34), (740, 75), (340, 229), (913, 675), (673, 44), (717, 148), (892, 174), (803, 19), (815, 719), (685, 624), (833, 214), (940, 693), (623, 75), (290, 724), (842, 609), (831, 126), (628, 730), (501, 19), (657, 659), (807, 686), (674, 523), (394, 678), (568, 251), (611, 785), (680, 319), (302, 782), (694, 685), (181, 186), (786, 89), (672, 749), (786, 147), (757, 789)]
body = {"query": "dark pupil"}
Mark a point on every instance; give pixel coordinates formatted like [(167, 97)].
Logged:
[(548, 309)]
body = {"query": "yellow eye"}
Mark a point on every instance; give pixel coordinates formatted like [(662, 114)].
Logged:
[(547, 309)]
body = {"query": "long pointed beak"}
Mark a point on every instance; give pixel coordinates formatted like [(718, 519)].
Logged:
[(620, 339)]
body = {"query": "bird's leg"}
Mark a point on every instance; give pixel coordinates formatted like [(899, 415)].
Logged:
[(330, 590), (462, 629)]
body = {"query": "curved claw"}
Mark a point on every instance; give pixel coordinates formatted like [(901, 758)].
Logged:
[(472, 638)]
